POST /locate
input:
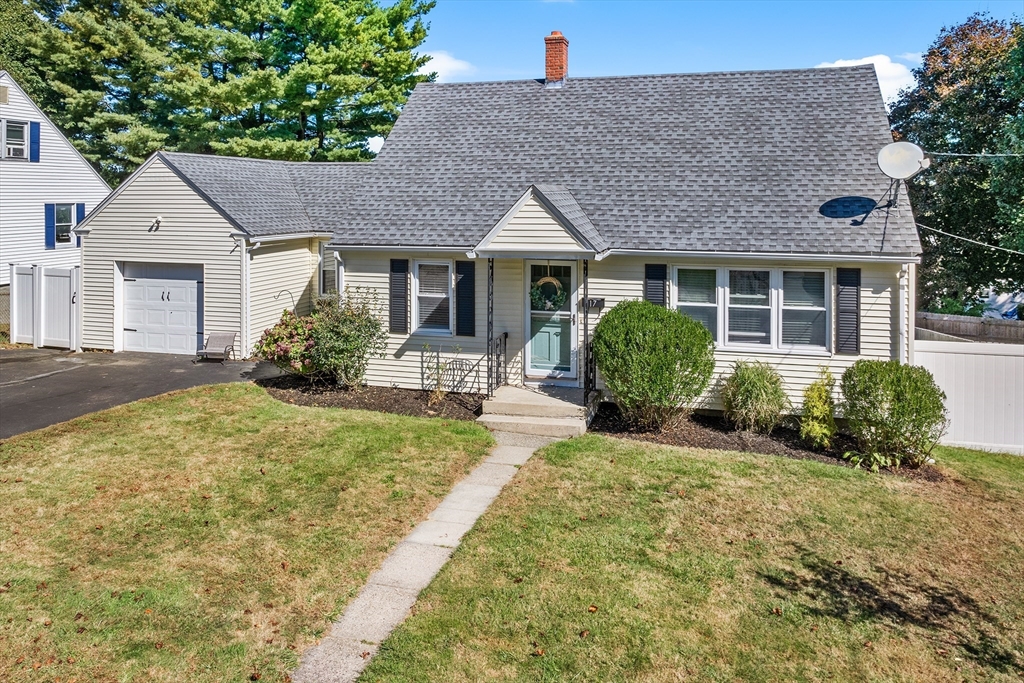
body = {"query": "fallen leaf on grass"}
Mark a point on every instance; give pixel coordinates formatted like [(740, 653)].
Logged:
[(19, 660), (592, 609), (538, 652), (365, 654), (584, 633), (159, 646)]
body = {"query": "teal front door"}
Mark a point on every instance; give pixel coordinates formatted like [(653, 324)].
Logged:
[(551, 334)]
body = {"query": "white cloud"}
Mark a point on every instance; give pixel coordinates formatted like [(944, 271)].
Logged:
[(912, 57), (892, 77), (448, 68), (375, 143)]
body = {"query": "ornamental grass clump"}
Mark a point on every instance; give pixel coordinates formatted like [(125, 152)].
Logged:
[(654, 361), (896, 412), (818, 423), (754, 398)]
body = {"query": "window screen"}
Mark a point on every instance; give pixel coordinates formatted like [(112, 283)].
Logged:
[(803, 309), (750, 313), (697, 297), (433, 296)]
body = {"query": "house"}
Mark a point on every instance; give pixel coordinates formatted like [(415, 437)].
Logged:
[(46, 186), (500, 220)]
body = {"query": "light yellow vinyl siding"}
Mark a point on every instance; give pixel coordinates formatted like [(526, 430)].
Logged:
[(620, 278), (281, 275), (533, 228), (406, 363), (191, 232)]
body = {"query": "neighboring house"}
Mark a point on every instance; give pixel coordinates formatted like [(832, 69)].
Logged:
[(500, 220), (46, 186)]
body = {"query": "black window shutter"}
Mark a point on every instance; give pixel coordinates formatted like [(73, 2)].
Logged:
[(848, 310), (655, 281), (465, 298), (398, 308)]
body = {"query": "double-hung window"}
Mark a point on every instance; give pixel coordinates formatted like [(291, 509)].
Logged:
[(697, 296), (64, 220), (15, 140), (803, 308), (757, 308), (750, 307), (432, 297)]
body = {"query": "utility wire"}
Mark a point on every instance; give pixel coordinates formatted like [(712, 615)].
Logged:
[(983, 154), (966, 239)]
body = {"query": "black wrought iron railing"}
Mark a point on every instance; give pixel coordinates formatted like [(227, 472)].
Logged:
[(498, 366), (589, 370)]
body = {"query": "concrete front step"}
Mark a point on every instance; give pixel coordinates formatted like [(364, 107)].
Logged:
[(556, 427), (509, 400)]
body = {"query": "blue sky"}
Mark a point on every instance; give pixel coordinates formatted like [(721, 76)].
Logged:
[(477, 40)]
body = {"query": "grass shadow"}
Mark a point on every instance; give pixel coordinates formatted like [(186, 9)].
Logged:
[(828, 589)]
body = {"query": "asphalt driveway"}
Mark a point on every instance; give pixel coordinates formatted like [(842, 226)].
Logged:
[(41, 387)]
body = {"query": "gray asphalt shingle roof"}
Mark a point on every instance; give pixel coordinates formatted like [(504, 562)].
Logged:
[(266, 197), (742, 161), (763, 161)]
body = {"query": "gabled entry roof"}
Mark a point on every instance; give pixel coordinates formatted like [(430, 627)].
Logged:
[(545, 219)]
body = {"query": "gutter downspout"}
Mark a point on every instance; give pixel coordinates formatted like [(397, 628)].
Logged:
[(243, 253), (903, 314)]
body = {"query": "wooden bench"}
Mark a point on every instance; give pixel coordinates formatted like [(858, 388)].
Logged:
[(219, 345)]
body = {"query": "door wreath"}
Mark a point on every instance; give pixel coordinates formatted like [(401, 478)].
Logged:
[(542, 300)]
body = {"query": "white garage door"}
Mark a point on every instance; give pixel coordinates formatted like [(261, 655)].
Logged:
[(163, 308)]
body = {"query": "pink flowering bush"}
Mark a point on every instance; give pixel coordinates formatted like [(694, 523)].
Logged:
[(288, 344)]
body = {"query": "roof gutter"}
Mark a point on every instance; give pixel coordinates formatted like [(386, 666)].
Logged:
[(765, 256), (281, 237)]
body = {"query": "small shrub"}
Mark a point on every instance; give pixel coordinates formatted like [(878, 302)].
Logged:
[(334, 344), (818, 423), (654, 361), (346, 334), (896, 412), (753, 397)]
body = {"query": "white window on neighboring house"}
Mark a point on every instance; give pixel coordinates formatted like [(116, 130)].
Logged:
[(432, 297), (64, 220), (697, 296), (15, 134), (331, 272)]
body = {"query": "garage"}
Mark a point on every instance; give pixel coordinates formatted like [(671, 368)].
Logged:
[(163, 307)]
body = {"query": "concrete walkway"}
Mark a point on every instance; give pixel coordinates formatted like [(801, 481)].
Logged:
[(390, 592)]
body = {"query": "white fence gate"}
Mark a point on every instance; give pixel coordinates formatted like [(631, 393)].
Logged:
[(984, 385), (45, 305)]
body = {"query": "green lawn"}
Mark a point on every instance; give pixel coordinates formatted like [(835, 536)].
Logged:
[(606, 560), (206, 535)]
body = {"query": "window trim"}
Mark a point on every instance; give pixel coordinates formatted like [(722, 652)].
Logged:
[(27, 139), (415, 327), (72, 242), (775, 299)]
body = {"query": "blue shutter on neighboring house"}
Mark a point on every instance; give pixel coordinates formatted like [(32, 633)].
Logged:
[(79, 217), (33, 141), (51, 226)]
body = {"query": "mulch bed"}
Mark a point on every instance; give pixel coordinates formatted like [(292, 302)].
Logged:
[(300, 392), (712, 432)]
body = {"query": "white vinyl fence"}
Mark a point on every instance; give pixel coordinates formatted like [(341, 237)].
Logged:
[(984, 385), (44, 306)]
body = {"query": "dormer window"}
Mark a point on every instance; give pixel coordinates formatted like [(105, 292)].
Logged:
[(15, 140)]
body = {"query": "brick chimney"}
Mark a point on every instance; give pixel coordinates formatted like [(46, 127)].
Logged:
[(556, 59)]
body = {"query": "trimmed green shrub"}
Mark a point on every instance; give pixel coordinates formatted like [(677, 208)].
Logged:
[(754, 398), (818, 423), (333, 344), (896, 412), (654, 361)]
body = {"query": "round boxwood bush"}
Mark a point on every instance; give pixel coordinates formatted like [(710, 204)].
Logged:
[(753, 397), (896, 412), (655, 361)]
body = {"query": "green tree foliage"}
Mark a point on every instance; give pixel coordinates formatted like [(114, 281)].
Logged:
[(967, 101), (16, 22), (298, 80)]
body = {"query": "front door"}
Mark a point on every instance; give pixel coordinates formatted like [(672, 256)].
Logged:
[(551, 321)]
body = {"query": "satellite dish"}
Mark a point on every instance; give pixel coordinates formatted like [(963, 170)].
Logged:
[(902, 160)]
